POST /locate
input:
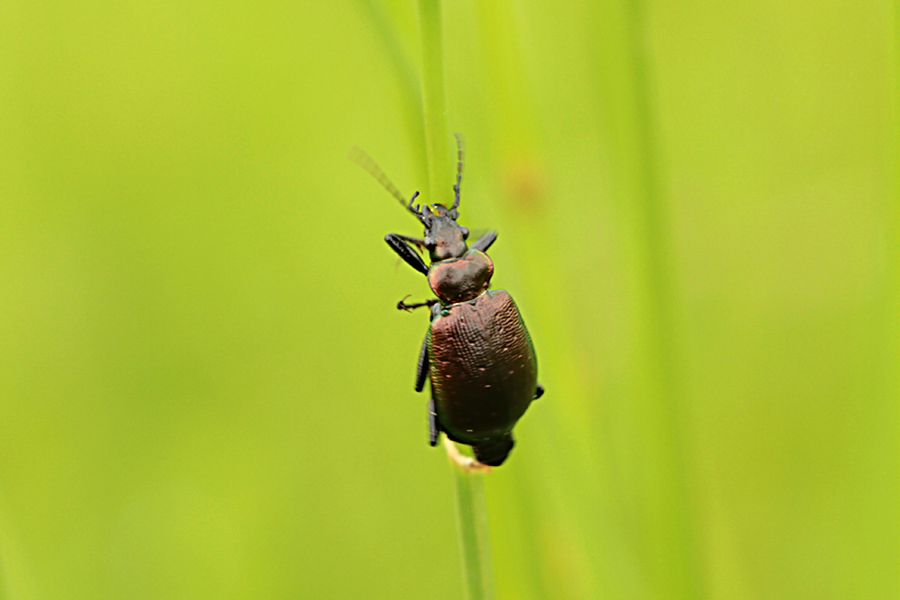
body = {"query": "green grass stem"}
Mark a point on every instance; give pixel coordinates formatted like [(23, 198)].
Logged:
[(407, 78), (889, 321), (473, 534), (434, 102), (668, 546), (470, 503)]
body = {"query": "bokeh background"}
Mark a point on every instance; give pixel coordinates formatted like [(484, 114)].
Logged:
[(205, 390)]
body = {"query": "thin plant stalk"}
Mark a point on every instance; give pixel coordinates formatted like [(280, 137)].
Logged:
[(470, 502), (473, 534), (889, 324), (434, 102), (657, 419), (407, 77)]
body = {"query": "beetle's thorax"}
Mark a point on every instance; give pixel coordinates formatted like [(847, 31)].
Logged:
[(461, 279)]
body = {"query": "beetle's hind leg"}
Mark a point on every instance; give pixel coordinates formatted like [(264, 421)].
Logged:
[(422, 367), (434, 428), (539, 391)]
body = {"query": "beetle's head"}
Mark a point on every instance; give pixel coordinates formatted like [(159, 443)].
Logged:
[(444, 237)]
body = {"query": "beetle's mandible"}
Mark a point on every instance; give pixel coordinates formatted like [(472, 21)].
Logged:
[(477, 351)]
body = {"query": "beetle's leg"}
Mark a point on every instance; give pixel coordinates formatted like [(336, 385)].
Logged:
[(401, 246), (485, 241), (402, 305), (418, 242), (434, 428), (422, 367), (539, 391)]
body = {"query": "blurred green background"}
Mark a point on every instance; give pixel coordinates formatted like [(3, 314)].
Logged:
[(205, 390)]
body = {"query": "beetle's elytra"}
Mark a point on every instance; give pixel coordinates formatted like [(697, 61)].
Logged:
[(477, 351)]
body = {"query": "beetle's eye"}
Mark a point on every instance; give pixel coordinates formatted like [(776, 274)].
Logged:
[(465, 232)]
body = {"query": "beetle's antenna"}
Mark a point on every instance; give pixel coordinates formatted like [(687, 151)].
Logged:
[(459, 169), (359, 156)]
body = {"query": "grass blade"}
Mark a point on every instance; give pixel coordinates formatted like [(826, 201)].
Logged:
[(473, 534), (434, 101), (470, 504)]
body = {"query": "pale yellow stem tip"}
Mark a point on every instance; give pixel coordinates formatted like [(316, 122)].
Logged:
[(466, 463)]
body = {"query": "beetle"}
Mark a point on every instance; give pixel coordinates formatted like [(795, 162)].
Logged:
[(477, 351)]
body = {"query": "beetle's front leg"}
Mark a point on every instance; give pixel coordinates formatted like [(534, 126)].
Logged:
[(484, 242), (417, 242), (401, 245)]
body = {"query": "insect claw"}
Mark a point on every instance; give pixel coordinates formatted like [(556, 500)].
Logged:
[(402, 305)]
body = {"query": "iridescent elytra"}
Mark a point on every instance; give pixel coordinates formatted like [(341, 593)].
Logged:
[(477, 351)]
